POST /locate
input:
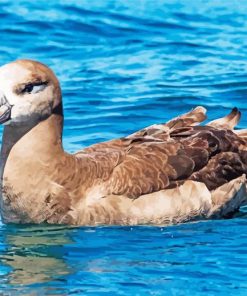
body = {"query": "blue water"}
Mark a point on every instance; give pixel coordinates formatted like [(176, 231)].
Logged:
[(124, 65)]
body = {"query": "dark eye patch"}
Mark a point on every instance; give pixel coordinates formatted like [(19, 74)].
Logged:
[(27, 88)]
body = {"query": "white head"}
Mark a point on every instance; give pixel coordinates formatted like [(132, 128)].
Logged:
[(29, 93)]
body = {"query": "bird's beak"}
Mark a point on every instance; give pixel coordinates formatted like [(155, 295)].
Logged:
[(5, 109)]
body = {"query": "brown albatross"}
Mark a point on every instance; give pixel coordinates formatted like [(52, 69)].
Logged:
[(164, 174)]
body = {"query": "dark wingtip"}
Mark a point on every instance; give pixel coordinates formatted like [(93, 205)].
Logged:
[(229, 121), (234, 113)]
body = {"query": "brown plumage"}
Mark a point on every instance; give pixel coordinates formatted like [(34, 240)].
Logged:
[(166, 173)]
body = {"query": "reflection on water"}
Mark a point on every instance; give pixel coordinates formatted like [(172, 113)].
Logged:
[(47, 260), (34, 254)]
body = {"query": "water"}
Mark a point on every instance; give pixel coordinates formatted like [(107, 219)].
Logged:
[(124, 65)]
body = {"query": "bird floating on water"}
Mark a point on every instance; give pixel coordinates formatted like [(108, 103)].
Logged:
[(164, 174)]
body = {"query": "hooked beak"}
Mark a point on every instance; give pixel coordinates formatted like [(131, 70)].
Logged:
[(5, 110)]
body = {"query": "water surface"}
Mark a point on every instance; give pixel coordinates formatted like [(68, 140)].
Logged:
[(124, 65)]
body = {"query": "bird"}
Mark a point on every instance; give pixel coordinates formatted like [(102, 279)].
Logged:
[(164, 174)]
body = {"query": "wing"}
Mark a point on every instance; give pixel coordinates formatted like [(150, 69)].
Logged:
[(164, 156), (156, 132)]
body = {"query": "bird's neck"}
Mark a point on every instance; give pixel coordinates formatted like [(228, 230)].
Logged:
[(29, 159), (27, 143)]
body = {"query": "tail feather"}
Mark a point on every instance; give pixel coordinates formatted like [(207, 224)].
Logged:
[(228, 198), (229, 121), (194, 117)]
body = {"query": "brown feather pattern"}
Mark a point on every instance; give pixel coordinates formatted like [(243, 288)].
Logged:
[(148, 163), (165, 173)]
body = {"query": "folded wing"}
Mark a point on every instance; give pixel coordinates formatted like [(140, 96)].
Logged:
[(164, 156)]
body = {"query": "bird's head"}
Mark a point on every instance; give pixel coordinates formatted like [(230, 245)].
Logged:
[(29, 93)]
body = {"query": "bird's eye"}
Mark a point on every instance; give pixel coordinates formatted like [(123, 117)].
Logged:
[(33, 88), (28, 88), (37, 88)]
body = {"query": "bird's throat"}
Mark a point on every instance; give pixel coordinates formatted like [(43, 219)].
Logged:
[(28, 155)]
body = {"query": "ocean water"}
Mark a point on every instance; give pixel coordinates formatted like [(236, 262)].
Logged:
[(124, 65)]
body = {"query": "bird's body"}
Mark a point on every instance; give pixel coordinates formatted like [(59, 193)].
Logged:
[(163, 174)]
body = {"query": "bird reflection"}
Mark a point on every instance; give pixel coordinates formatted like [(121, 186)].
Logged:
[(34, 254)]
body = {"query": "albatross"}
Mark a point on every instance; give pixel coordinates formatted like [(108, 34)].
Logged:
[(164, 174)]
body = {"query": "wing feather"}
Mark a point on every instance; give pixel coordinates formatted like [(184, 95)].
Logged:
[(163, 156)]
